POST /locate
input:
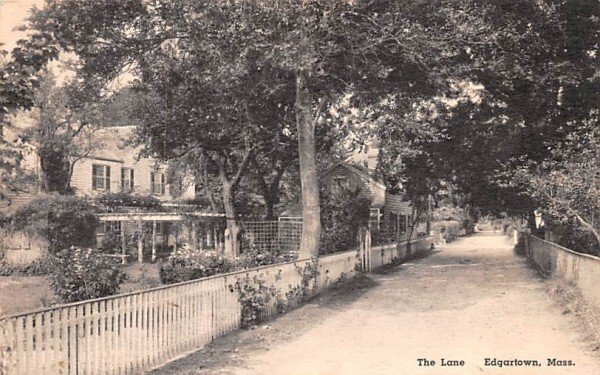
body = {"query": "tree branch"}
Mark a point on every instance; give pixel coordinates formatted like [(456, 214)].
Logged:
[(575, 214), (318, 111), (242, 168)]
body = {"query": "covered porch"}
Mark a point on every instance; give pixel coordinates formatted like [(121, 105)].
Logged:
[(148, 236)]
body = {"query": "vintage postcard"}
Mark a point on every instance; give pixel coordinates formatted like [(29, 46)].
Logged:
[(299, 187)]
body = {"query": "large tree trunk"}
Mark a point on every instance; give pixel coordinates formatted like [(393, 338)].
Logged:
[(311, 212), (232, 248), (269, 208), (269, 191), (55, 170), (209, 194)]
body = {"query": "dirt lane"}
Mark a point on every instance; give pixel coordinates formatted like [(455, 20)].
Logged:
[(470, 300)]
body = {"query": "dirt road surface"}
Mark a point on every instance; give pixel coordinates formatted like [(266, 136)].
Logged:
[(470, 300)]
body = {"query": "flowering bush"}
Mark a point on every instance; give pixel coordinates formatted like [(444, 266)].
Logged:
[(78, 274), (255, 297), (111, 201), (254, 256), (189, 264)]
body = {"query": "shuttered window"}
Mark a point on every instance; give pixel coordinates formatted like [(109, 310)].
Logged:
[(100, 177), (157, 180), (127, 181)]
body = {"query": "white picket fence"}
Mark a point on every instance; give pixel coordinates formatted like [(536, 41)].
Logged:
[(131, 333)]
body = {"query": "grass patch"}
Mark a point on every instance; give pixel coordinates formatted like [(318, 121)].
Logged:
[(24, 293), (572, 302)]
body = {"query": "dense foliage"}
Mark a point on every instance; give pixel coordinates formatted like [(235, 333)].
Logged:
[(465, 92), (451, 210), (189, 264), (535, 84), (112, 201), (60, 131), (19, 78), (447, 230), (83, 273), (246, 94), (567, 186), (64, 221), (343, 215), (39, 267), (255, 256)]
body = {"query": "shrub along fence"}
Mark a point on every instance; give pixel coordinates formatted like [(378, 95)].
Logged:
[(551, 259), (134, 332)]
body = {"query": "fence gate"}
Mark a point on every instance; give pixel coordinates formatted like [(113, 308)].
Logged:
[(365, 249)]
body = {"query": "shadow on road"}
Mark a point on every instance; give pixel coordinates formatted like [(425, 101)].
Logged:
[(397, 263), (230, 351)]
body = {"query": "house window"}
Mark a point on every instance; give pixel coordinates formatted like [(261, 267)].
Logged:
[(127, 182), (112, 227), (108, 228), (100, 177), (375, 217), (340, 184), (157, 180)]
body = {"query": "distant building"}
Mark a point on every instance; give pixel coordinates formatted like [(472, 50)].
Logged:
[(387, 210)]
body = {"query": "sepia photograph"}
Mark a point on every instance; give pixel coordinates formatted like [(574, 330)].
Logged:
[(299, 187)]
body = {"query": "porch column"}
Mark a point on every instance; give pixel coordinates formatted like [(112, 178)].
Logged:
[(154, 240), (176, 237), (194, 241), (123, 243), (141, 242), (209, 236), (397, 226), (216, 237)]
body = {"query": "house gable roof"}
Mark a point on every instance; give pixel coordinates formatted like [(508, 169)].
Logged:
[(113, 146), (111, 142), (363, 173)]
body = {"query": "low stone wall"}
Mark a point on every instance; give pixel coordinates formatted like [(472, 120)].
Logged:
[(554, 260)]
